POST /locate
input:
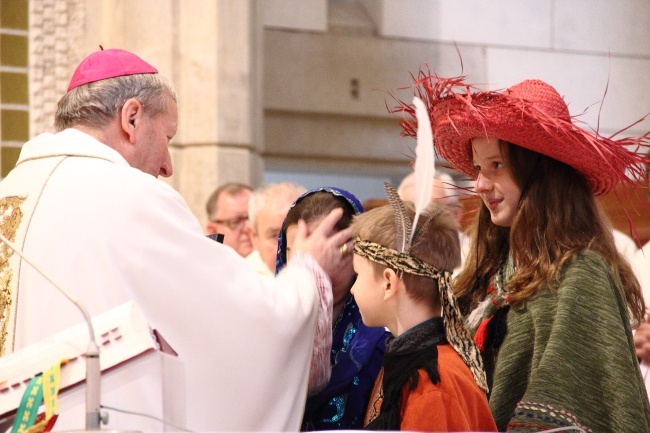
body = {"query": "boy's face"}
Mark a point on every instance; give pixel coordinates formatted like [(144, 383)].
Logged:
[(368, 291)]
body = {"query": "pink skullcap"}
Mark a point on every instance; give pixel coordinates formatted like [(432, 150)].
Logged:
[(111, 63)]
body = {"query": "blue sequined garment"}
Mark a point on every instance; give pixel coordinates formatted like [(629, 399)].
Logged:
[(357, 353)]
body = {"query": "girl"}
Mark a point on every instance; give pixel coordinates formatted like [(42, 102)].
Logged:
[(548, 293), (356, 350)]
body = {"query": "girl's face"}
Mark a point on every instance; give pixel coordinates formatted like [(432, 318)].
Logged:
[(343, 276), (495, 183)]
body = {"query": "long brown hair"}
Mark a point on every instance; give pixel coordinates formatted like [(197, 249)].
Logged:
[(558, 217)]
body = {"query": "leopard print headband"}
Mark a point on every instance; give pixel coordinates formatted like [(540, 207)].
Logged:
[(395, 260)]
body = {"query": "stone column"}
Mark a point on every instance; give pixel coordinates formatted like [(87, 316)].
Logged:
[(218, 80)]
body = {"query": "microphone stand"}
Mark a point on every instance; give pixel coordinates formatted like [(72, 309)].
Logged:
[(93, 369)]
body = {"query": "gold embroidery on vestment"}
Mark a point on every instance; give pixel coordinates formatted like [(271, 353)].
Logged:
[(10, 217)]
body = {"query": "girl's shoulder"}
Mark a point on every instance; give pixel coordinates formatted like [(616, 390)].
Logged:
[(587, 280), (588, 265), (588, 256)]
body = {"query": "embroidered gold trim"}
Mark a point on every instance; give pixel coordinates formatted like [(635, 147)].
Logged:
[(11, 216)]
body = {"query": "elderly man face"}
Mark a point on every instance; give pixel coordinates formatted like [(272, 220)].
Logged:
[(151, 153), (231, 219), (265, 235)]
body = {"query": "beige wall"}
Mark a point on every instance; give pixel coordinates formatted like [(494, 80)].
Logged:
[(301, 85), (576, 45), (584, 48)]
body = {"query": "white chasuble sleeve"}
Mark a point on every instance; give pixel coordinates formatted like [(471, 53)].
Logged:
[(246, 341)]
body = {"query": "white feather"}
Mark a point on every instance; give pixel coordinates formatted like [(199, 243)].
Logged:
[(476, 316), (424, 167)]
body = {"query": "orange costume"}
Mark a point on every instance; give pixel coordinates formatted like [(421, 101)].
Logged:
[(455, 403)]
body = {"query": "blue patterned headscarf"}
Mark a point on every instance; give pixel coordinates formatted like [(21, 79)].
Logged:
[(356, 356), (281, 258)]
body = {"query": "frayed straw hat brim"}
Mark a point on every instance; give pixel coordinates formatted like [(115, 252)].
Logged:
[(531, 115)]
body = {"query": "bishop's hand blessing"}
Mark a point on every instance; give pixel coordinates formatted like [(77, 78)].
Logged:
[(328, 247)]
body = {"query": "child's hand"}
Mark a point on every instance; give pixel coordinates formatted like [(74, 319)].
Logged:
[(323, 244)]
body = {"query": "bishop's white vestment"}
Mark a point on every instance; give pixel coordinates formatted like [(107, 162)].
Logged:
[(110, 233)]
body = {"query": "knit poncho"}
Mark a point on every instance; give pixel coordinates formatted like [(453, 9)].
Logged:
[(568, 358)]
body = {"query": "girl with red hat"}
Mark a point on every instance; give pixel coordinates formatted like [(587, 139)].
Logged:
[(547, 296)]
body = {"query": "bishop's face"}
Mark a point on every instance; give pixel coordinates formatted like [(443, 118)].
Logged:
[(153, 136)]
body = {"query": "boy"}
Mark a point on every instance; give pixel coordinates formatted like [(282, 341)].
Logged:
[(431, 367)]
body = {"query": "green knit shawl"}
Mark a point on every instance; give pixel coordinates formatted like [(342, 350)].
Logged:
[(568, 358)]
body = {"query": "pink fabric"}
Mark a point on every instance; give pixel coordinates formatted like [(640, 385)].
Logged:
[(104, 64), (320, 368)]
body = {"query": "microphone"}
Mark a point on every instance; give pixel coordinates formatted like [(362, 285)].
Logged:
[(93, 370)]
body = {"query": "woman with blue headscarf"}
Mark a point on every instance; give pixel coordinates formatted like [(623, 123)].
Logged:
[(356, 350)]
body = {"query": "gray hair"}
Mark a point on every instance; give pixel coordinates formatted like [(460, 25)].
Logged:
[(443, 187), (405, 187), (95, 104), (282, 194)]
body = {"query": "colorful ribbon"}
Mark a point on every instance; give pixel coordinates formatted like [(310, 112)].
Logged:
[(43, 388)]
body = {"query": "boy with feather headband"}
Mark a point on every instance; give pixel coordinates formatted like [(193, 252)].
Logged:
[(432, 377)]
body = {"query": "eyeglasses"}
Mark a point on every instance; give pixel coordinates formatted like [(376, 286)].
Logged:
[(233, 223)]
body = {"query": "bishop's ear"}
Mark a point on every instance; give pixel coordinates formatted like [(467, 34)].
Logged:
[(130, 117)]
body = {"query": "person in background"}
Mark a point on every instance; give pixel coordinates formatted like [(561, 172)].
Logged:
[(625, 245), (372, 203), (641, 266), (227, 210), (353, 352), (445, 193), (546, 290), (85, 205), (267, 208), (432, 369)]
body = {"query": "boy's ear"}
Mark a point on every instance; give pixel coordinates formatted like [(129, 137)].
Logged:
[(391, 283)]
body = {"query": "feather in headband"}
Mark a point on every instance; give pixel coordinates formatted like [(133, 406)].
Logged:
[(407, 234)]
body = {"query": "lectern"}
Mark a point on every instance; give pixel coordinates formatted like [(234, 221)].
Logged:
[(140, 373)]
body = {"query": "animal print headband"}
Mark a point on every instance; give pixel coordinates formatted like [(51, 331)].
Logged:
[(396, 260)]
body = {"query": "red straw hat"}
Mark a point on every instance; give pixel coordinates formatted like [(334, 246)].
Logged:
[(111, 63), (531, 114)]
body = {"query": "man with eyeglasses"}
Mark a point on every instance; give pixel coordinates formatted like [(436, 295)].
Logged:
[(227, 210)]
